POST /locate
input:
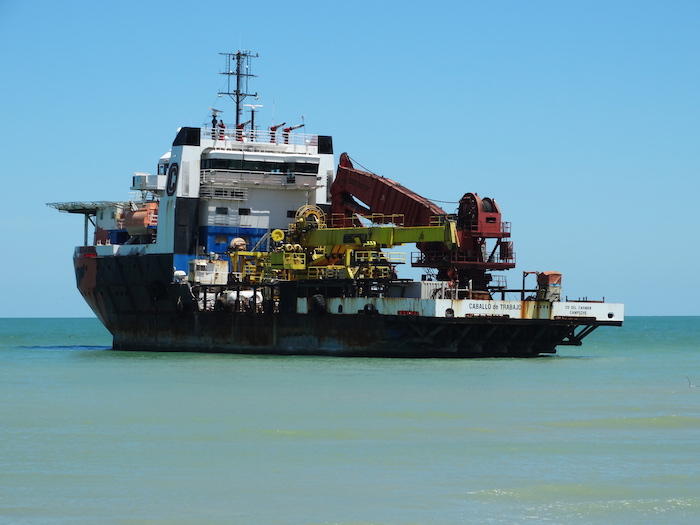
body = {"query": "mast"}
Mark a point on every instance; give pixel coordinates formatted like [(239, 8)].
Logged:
[(243, 59)]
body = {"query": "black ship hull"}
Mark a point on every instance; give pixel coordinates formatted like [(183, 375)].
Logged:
[(137, 301), (356, 335)]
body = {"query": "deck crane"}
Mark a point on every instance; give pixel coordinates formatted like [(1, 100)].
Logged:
[(483, 244), (273, 132), (239, 130), (287, 130)]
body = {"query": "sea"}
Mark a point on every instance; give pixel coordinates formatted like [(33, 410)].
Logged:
[(608, 432)]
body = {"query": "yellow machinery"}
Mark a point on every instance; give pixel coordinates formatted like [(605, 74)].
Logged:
[(311, 250)]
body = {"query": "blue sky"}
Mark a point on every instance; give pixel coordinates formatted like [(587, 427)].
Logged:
[(582, 119)]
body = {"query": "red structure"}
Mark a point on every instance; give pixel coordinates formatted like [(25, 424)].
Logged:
[(383, 201)]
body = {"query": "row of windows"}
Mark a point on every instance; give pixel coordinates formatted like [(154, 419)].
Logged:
[(259, 165), (222, 210)]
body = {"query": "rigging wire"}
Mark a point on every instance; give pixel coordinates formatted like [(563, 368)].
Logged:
[(443, 202), (363, 167), (370, 171)]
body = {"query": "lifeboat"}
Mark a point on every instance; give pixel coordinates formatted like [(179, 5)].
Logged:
[(142, 220)]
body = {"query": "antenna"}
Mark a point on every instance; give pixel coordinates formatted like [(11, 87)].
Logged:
[(242, 59), (214, 113), (252, 107)]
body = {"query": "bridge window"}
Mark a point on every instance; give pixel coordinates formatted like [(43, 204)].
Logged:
[(259, 165)]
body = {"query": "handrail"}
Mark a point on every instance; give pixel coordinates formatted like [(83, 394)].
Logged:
[(381, 257), (340, 220), (438, 257), (214, 175), (258, 136)]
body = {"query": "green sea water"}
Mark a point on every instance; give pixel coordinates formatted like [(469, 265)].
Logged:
[(604, 433)]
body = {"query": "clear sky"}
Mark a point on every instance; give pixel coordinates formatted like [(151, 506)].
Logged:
[(581, 118)]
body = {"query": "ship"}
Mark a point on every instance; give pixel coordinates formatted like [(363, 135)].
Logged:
[(252, 240)]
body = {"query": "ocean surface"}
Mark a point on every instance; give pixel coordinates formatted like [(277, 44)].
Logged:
[(604, 433)]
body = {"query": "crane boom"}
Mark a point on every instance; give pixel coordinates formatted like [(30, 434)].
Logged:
[(360, 193), (378, 196)]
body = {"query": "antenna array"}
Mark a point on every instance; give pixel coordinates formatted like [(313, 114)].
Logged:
[(242, 60)]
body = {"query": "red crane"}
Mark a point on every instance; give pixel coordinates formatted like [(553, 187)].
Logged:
[(386, 201)]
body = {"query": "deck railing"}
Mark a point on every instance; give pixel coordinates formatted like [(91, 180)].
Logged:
[(232, 137), (218, 176)]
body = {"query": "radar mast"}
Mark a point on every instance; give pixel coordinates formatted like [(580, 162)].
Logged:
[(242, 73)]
